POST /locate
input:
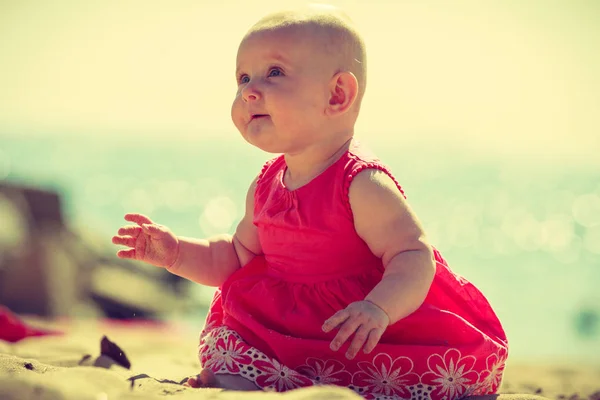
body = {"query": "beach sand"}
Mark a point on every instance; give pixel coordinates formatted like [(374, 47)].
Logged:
[(161, 356)]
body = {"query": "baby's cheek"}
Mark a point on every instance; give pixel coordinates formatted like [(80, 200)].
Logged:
[(235, 108), (237, 114)]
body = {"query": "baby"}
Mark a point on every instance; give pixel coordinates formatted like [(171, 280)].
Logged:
[(329, 278)]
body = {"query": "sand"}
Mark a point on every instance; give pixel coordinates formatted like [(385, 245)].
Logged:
[(161, 356)]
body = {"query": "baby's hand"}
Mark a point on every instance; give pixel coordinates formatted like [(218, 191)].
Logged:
[(149, 242), (363, 318)]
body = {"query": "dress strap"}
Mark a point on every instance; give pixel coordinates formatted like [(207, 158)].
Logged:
[(266, 167), (359, 166)]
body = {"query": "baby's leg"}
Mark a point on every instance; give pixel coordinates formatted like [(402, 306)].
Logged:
[(208, 379)]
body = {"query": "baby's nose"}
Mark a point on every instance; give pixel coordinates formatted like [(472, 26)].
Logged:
[(250, 92)]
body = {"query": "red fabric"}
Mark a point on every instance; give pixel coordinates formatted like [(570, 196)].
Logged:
[(265, 322), (13, 329)]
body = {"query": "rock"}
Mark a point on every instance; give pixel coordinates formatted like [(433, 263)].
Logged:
[(48, 270)]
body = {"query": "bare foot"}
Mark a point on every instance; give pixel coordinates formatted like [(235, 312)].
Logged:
[(205, 379), (208, 379)]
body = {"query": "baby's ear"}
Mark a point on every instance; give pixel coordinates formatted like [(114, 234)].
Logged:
[(343, 90)]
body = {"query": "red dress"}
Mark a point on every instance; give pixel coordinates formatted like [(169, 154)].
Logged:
[(265, 321)]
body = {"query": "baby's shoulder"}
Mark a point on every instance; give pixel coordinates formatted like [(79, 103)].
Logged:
[(363, 160)]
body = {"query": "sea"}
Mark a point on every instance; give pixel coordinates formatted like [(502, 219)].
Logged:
[(525, 231)]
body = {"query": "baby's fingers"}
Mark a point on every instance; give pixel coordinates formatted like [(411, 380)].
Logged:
[(346, 330), (130, 230), (360, 337), (374, 337), (337, 319), (126, 254), (155, 231), (124, 240), (138, 219)]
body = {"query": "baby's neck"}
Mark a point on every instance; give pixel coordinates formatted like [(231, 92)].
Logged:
[(304, 167)]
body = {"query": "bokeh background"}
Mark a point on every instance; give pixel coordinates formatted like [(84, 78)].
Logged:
[(486, 111)]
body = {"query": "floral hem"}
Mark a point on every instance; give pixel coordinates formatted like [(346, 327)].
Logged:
[(448, 376)]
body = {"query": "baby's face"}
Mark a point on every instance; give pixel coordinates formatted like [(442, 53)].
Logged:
[(283, 90)]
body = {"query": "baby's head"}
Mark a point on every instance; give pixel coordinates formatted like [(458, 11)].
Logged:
[(301, 78), (328, 31)]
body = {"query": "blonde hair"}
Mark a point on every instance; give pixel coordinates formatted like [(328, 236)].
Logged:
[(335, 31)]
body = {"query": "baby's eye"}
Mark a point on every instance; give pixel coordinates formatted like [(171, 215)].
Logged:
[(275, 72), (243, 79)]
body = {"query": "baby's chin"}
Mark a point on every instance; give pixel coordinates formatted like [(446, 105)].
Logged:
[(263, 144)]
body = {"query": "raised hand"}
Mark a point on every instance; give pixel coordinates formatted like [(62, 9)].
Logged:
[(363, 319), (148, 242)]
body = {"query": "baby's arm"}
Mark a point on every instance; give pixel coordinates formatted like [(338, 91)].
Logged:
[(384, 220), (211, 261), (206, 261)]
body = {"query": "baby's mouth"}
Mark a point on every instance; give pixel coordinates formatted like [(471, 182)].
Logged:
[(258, 116)]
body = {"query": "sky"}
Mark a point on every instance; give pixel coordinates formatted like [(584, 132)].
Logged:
[(518, 77)]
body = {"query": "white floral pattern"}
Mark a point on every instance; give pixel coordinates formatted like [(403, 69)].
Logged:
[(451, 373), (207, 341), (448, 376), (325, 372), (385, 376), (278, 376), (492, 376), (227, 355)]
